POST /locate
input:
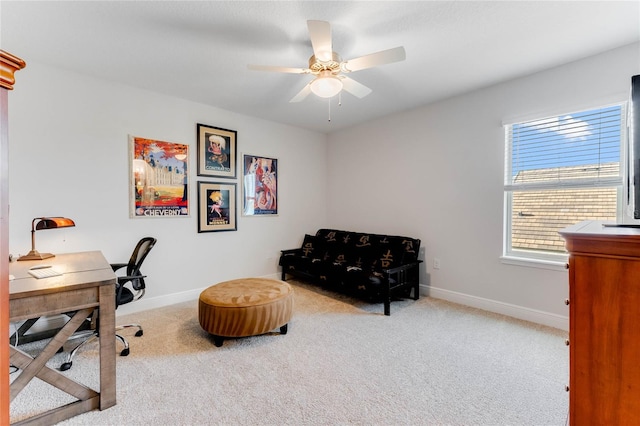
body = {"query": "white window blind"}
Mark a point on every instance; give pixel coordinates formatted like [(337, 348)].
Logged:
[(560, 171), (579, 149)]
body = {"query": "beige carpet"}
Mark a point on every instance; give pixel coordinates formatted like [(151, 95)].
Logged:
[(342, 363)]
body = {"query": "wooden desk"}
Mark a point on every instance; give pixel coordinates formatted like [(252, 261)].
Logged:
[(87, 283)]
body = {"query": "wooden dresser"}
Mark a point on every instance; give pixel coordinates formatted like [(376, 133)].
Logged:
[(604, 324)]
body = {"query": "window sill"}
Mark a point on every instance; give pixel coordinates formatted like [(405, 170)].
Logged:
[(555, 265)]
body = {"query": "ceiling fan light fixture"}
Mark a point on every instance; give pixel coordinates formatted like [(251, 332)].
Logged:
[(326, 85), (328, 67)]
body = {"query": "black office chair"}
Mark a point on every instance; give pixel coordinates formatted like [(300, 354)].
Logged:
[(124, 295)]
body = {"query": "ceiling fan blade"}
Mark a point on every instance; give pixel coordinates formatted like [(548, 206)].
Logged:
[(356, 89), (302, 94), (279, 69), (396, 54), (320, 35)]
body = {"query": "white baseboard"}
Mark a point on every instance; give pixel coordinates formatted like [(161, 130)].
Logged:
[(520, 312), (147, 303), (170, 299)]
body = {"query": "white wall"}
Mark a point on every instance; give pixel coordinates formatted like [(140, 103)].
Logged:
[(436, 173), (69, 157)]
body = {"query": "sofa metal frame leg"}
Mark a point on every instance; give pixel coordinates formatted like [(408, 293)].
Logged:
[(387, 305)]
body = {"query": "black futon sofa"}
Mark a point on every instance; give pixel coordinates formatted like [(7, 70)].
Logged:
[(372, 267)]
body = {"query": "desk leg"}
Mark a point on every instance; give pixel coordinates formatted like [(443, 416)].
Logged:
[(31, 369), (53, 377), (107, 336)]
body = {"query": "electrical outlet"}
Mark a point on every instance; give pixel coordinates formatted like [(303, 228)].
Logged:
[(436, 263)]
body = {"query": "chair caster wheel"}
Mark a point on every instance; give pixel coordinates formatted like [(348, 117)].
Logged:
[(59, 351), (124, 352), (139, 333), (65, 366)]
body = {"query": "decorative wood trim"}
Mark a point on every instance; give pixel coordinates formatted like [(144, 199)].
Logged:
[(4, 258), (9, 64)]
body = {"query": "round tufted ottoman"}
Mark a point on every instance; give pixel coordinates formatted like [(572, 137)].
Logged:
[(245, 307)]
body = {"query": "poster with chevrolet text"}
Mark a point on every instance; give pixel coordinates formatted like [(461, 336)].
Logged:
[(158, 178)]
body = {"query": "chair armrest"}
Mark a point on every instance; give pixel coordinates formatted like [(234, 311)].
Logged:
[(137, 283), (126, 278), (116, 266)]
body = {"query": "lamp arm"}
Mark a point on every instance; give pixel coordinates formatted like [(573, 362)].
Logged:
[(33, 234)]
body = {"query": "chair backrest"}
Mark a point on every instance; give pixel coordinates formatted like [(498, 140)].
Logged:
[(141, 251)]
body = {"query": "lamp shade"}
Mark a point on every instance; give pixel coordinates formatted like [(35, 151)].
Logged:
[(40, 223), (53, 222), (326, 85)]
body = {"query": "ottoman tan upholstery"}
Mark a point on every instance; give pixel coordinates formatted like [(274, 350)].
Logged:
[(245, 307)]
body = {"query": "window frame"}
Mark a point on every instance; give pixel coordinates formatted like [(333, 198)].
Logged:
[(549, 259)]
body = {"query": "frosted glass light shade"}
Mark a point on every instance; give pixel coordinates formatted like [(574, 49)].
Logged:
[(326, 85)]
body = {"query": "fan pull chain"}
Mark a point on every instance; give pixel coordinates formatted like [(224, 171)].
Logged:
[(339, 104)]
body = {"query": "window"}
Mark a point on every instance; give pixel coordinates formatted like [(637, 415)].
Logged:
[(560, 171)]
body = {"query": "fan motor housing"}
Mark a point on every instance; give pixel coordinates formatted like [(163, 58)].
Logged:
[(332, 65)]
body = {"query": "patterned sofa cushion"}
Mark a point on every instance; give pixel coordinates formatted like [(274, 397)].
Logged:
[(368, 251), (335, 245), (313, 247), (395, 251)]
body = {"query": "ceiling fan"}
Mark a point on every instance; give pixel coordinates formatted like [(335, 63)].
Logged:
[(329, 68)]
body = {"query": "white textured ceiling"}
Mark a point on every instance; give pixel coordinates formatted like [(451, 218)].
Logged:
[(199, 50)]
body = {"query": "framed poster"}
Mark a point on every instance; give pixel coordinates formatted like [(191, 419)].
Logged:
[(158, 178), (216, 207), (216, 151), (260, 183)]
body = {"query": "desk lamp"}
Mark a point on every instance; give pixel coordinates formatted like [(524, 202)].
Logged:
[(44, 223)]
